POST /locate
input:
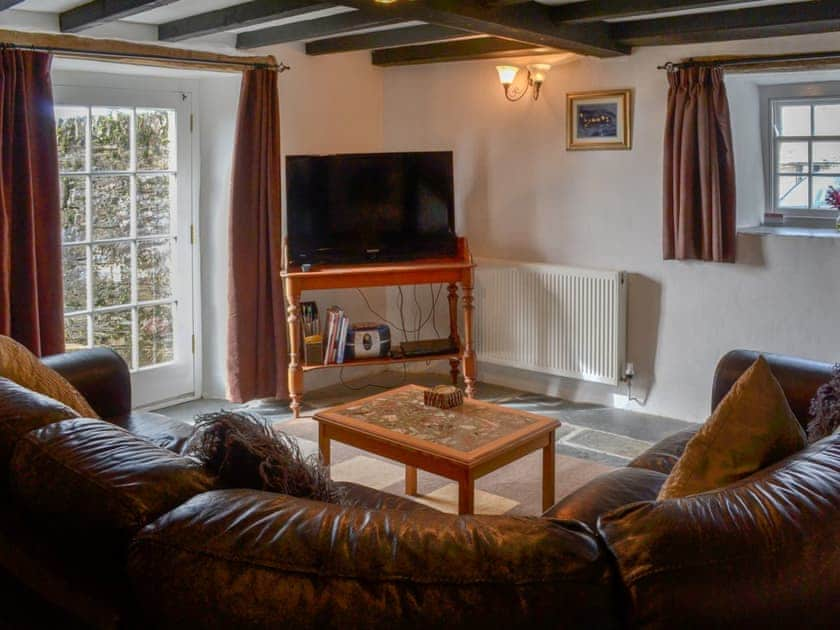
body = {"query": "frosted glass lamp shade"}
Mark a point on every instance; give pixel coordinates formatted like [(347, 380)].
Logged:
[(538, 71), (507, 74)]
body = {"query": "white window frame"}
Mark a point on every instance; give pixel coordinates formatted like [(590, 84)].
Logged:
[(772, 97), (68, 82)]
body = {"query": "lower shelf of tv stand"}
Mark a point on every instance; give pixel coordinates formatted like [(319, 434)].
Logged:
[(385, 361)]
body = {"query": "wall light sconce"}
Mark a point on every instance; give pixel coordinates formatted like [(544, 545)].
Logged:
[(536, 78)]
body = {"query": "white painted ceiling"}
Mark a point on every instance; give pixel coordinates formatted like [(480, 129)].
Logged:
[(728, 7), (185, 8)]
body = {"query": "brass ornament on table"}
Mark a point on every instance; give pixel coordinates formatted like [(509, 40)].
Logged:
[(443, 397)]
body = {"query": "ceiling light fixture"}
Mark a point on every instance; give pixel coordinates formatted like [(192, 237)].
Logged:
[(536, 78)]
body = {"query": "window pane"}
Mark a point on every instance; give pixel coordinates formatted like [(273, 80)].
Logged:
[(74, 260), (153, 205), (110, 139), (71, 131), (793, 192), (75, 332), (111, 206), (827, 157), (155, 332), (111, 274), (154, 127), (793, 157), (113, 330), (794, 120), (153, 270), (73, 208), (827, 120), (821, 185)]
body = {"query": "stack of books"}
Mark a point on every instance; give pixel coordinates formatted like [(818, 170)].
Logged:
[(336, 339)]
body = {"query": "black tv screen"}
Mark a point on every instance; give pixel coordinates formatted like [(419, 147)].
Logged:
[(370, 207)]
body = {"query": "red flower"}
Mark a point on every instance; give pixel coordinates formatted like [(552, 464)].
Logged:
[(832, 197)]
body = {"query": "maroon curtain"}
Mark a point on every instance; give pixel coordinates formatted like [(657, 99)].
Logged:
[(257, 359), (31, 285), (699, 196)]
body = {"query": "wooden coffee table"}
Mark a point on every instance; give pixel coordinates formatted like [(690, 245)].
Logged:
[(462, 444)]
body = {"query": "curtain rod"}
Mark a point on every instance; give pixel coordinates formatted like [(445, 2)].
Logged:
[(75, 52), (749, 61)]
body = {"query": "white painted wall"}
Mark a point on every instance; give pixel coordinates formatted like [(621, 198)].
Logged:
[(219, 99), (327, 105), (521, 195)]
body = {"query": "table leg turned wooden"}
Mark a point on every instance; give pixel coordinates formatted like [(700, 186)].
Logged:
[(324, 444), (549, 459), (468, 359), (466, 496), (411, 481), (454, 336), (295, 355)]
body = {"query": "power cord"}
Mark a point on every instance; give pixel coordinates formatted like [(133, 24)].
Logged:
[(403, 328), (420, 324), (435, 299), (629, 375)]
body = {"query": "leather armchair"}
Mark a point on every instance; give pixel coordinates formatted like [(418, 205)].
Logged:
[(764, 551), (102, 377)]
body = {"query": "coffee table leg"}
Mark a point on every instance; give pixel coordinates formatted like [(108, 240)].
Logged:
[(411, 481), (466, 496), (549, 458), (324, 444)]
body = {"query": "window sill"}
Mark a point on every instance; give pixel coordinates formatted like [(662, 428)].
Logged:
[(800, 232)]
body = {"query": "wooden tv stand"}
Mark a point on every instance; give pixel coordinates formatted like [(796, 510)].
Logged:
[(452, 271)]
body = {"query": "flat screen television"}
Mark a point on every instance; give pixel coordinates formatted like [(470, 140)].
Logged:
[(344, 209)]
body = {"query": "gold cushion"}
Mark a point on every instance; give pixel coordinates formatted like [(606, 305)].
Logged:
[(18, 364), (752, 427)]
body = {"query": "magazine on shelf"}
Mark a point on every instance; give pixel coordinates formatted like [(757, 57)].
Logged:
[(342, 338), (334, 315)]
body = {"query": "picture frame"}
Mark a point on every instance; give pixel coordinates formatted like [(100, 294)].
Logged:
[(599, 120)]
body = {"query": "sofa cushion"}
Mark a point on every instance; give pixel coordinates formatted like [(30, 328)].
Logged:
[(22, 410), (91, 475), (18, 364), (752, 427), (245, 558), (763, 552), (607, 492), (663, 456), (158, 429)]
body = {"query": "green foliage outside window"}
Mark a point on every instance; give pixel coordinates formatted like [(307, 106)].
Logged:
[(101, 168)]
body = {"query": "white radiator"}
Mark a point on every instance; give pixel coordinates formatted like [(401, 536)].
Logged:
[(557, 320)]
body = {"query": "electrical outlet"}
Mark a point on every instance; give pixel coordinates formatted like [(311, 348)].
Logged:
[(629, 372)]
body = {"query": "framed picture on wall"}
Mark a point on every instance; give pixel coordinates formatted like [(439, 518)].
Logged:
[(598, 120)]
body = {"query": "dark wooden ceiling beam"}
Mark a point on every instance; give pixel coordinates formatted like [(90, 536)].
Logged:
[(771, 21), (310, 29), (237, 16), (528, 22), (597, 10), (461, 50), (103, 11), (382, 39)]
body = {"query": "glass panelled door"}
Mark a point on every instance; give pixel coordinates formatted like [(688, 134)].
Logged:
[(126, 200)]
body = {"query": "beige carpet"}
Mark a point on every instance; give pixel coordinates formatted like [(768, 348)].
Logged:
[(513, 489)]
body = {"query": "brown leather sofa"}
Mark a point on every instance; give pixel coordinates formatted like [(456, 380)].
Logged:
[(107, 524)]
